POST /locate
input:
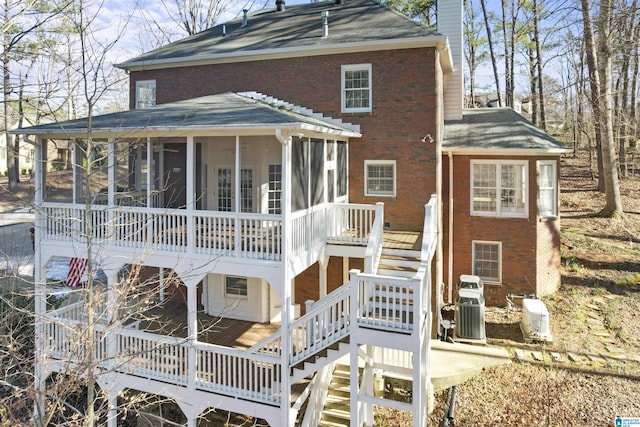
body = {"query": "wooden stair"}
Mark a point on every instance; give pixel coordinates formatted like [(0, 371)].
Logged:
[(397, 262), (336, 412)]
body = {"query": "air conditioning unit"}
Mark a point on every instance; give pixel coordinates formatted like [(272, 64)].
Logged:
[(535, 321), (468, 281), (469, 317)]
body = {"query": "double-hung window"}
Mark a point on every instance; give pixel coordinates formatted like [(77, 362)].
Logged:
[(356, 88), (498, 188), (487, 260), (380, 178), (145, 93), (547, 189)]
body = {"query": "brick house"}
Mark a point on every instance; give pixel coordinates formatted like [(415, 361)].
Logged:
[(306, 173)]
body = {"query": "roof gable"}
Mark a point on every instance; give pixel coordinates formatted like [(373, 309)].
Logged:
[(295, 31)]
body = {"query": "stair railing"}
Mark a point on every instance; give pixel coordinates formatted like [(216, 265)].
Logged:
[(374, 245)]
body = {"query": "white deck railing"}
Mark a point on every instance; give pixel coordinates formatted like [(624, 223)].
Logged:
[(243, 235), (218, 369)]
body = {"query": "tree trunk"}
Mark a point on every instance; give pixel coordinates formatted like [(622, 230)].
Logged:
[(594, 85), (536, 35), (613, 201), (493, 56)]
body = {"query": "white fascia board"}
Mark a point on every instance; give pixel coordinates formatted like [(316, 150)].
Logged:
[(505, 151), (439, 42), (246, 130)]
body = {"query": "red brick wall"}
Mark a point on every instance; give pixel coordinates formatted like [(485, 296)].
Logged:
[(526, 242), (307, 282), (404, 109)]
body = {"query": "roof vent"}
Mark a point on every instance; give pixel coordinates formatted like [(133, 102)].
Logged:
[(224, 30), (244, 17), (338, 1), (279, 5), (325, 24)]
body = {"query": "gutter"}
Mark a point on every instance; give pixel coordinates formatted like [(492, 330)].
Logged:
[(450, 261)]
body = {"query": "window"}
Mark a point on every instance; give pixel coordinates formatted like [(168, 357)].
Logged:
[(548, 195), (487, 260), (145, 93), (235, 286), (356, 88), (246, 190), (499, 188), (275, 189), (380, 177)]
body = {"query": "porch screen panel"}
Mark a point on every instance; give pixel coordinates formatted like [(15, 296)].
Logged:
[(92, 176), (343, 176), (317, 169), (299, 174)]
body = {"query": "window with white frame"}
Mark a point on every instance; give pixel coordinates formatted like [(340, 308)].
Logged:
[(356, 88), (487, 261), (275, 189), (145, 93), (547, 189), (498, 188), (380, 177), (235, 286)]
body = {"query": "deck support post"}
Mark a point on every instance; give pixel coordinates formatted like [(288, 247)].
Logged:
[(324, 264), (192, 296), (112, 415)]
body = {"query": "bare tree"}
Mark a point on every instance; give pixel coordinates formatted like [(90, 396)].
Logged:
[(491, 50), (474, 44)]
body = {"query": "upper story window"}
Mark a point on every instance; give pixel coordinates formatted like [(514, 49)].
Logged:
[(356, 88), (380, 177), (548, 189), (145, 93), (498, 188)]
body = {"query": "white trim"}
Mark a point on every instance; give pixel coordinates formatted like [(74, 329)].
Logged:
[(554, 188), (343, 89), (483, 151), (368, 163), (473, 260), (499, 212)]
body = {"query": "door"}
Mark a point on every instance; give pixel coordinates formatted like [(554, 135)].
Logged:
[(225, 195)]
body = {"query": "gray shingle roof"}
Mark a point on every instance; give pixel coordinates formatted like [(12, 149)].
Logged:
[(227, 112), (298, 27), (492, 129)]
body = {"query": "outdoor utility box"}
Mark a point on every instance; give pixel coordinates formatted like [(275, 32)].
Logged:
[(535, 321), (467, 281), (469, 317)]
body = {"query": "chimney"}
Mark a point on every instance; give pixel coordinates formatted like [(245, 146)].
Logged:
[(449, 19), (244, 17), (325, 24), (280, 5)]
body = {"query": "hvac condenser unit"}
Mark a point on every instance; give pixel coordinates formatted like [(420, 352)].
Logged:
[(469, 316), (468, 281), (535, 321)]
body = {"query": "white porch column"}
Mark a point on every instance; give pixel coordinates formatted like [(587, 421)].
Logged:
[(40, 291), (192, 308), (112, 415), (324, 264), (287, 279), (236, 189), (111, 179), (161, 295)]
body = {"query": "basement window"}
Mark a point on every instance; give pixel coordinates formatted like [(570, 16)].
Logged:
[(235, 286), (487, 261)]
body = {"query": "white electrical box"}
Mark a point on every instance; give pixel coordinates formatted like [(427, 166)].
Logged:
[(535, 321)]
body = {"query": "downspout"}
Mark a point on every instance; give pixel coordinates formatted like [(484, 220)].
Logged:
[(450, 261)]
